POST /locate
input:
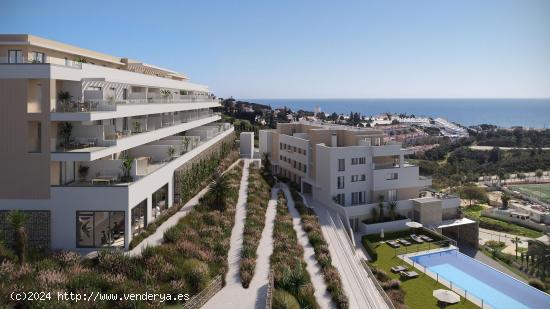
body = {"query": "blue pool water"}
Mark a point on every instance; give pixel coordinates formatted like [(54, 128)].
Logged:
[(495, 288)]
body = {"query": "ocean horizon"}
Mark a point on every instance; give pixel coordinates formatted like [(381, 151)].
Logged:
[(532, 113)]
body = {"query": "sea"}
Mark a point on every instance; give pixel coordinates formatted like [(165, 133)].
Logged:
[(531, 113)]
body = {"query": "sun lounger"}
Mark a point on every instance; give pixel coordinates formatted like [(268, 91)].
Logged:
[(426, 238), (416, 238), (398, 269), (393, 243), (409, 274), (404, 242)]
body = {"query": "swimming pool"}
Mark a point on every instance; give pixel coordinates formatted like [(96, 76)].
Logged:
[(495, 288)]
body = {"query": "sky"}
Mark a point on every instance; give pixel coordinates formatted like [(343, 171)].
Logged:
[(316, 49)]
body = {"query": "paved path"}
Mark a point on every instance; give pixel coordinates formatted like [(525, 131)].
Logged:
[(359, 287), (157, 237), (233, 295), (322, 295)]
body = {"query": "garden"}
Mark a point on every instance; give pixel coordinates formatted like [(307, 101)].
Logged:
[(293, 287), (193, 253), (312, 227), (404, 293), (259, 193)]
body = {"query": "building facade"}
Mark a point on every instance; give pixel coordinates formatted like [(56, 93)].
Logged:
[(351, 170), (95, 139)]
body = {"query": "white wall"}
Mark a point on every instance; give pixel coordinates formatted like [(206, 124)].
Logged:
[(247, 145)]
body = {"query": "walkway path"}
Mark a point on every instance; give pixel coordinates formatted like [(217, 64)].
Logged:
[(157, 237), (322, 295), (233, 295), (359, 287)]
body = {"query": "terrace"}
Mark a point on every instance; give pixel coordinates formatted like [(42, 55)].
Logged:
[(145, 159), (84, 137)]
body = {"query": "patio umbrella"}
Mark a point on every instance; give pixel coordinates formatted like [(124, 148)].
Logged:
[(446, 296), (382, 234)]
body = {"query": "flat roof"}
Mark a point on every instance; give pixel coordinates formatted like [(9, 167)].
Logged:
[(455, 222)]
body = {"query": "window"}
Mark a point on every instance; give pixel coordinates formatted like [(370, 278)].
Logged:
[(356, 178), (160, 201), (340, 182), (341, 165), (305, 152), (281, 157), (34, 136), (97, 229), (281, 146), (392, 195), (15, 56), (392, 176), (340, 199), (37, 57), (361, 160), (139, 217), (358, 197), (305, 168)]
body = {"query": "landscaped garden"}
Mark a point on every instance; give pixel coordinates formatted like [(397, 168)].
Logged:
[(293, 287), (259, 193), (405, 293), (322, 254), (194, 252)]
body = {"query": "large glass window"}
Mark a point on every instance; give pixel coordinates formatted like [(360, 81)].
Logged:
[(160, 201), (98, 229), (139, 217), (340, 182)]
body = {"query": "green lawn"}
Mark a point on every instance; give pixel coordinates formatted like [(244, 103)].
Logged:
[(539, 191), (418, 290)]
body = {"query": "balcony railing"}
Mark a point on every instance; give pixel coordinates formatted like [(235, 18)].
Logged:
[(88, 144), (87, 106), (47, 60)]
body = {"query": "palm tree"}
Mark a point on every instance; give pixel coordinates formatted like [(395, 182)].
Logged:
[(381, 206), (393, 208), (217, 192), (516, 241), (17, 220)]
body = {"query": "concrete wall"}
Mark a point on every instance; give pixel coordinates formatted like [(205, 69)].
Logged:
[(21, 170), (247, 144), (376, 228)]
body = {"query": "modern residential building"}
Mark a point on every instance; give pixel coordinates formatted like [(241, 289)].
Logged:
[(91, 142), (352, 169)]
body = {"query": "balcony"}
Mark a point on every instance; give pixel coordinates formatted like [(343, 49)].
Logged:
[(88, 106), (47, 60), (103, 140), (146, 160)]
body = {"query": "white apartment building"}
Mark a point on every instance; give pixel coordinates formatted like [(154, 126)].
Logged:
[(91, 142), (350, 169)]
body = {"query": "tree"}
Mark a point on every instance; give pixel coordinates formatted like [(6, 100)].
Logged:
[(473, 193), (217, 192), (505, 199), (539, 174), (516, 241), (17, 220), (539, 254)]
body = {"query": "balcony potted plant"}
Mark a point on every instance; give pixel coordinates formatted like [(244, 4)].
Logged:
[(185, 142), (65, 132), (171, 153), (83, 171), (126, 169), (136, 127), (64, 97)]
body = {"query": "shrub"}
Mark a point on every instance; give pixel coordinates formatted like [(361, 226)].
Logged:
[(370, 248), (284, 300), (195, 273), (537, 284), (391, 285)]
